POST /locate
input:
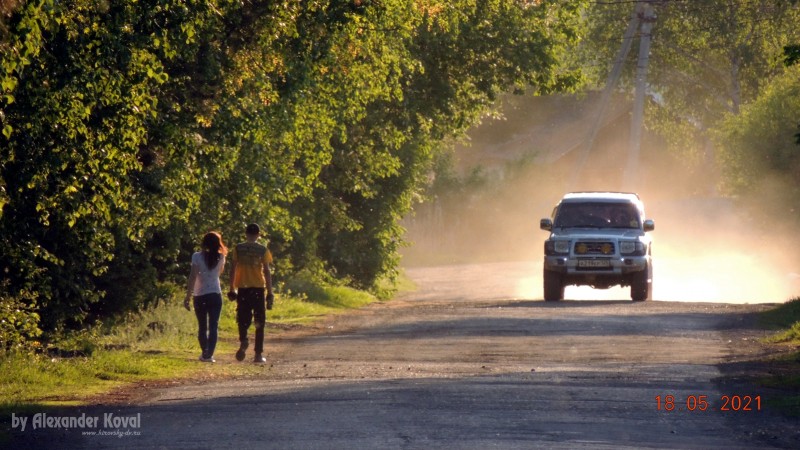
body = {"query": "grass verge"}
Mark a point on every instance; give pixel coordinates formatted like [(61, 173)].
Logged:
[(154, 345), (784, 371), (786, 320)]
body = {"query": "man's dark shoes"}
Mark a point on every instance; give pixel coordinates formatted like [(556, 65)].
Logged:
[(259, 359), (240, 352)]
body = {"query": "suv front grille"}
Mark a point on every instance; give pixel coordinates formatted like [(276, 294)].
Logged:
[(594, 248)]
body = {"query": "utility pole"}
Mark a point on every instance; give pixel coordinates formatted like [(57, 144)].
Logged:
[(647, 18), (611, 83)]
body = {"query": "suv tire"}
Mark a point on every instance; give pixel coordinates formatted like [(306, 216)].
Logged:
[(553, 287), (641, 286)]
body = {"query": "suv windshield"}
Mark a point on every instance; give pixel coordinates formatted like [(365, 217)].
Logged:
[(596, 215)]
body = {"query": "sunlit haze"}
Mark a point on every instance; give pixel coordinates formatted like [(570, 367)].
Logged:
[(706, 247)]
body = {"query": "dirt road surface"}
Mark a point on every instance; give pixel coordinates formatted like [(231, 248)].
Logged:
[(472, 360)]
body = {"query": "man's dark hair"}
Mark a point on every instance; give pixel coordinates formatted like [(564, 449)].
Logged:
[(253, 228)]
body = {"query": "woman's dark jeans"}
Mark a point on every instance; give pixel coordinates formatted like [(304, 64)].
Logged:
[(208, 308)]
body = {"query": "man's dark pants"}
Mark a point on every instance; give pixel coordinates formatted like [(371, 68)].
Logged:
[(251, 307)]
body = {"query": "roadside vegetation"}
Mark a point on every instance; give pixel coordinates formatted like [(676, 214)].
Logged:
[(129, 129), (157, 344), (785, 370), (786, 319)]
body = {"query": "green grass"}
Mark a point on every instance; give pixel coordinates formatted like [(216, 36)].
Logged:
[(785, 370), (38, 378), (159, 343), (786, 320), (156, 344)]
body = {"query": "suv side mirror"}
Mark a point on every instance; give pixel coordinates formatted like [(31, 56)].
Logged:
[(649, 225), (546, 224)]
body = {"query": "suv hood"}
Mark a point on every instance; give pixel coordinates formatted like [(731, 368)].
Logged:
[(596, 233)]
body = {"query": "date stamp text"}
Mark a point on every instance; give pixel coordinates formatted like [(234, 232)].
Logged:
[(703, 403)]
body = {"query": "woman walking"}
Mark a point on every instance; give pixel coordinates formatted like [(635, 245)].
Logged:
[(204, 285)]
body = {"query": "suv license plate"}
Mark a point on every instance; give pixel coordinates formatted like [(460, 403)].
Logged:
[(594, 263)]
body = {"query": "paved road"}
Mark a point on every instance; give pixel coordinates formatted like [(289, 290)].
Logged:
[(472, 360)]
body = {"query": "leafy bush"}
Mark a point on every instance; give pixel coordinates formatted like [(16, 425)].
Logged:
[(759, 140), (19, 322)]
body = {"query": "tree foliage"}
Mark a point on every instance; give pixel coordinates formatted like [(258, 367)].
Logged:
[(721, 84), (758, 144), (130, 128), (707, 59)]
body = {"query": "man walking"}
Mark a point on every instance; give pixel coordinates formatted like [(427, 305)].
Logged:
[(250, 278)]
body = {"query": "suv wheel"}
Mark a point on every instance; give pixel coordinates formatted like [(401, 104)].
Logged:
[(553, 288), (641, 286)]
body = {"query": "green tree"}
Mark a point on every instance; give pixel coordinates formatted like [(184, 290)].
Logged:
[(74, 106), (464, 54), (707, 60), (81, 92), (758, 144), (131, 128), (792, 57)]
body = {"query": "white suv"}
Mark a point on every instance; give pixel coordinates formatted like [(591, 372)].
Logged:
[(598, 239)]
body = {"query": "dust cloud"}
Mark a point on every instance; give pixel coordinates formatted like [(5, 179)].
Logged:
[(712, 248), (707, 248), (711, 251)]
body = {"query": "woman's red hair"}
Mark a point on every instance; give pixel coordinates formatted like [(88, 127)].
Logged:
[(213, 248)]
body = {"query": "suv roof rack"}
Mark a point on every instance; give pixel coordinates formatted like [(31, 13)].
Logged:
[(603, 192)]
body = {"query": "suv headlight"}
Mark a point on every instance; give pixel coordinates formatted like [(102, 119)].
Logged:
[(632, 248), (556, 247)]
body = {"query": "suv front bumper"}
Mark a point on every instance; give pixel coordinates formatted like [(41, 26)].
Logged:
[(593, 267)]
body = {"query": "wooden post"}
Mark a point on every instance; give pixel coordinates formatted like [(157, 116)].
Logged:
[(632, 178), (611, 83)]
